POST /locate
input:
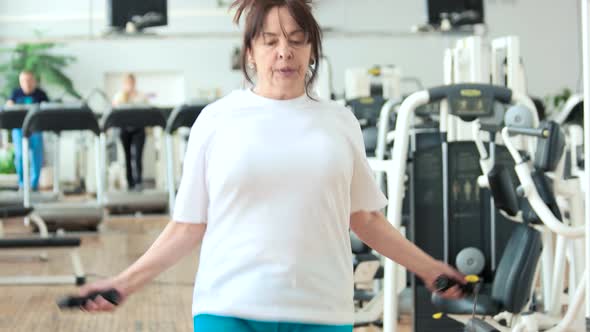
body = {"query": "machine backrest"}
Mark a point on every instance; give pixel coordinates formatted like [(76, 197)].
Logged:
[(512, 286), (547, 195), (550, 149), (503, 185)]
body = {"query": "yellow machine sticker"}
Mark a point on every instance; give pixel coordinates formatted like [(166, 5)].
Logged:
[(471, 93)]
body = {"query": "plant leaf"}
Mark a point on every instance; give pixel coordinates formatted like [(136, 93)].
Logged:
[(54, 76), (37, 58)]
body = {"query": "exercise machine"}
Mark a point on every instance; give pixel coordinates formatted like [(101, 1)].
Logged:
[(145, 200), (85, 214), (453, 207), (12, 117)]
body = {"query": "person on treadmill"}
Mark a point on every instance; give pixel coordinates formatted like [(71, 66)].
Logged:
[(28, 93), (133, 139)]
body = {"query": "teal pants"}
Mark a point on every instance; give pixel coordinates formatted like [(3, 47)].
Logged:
[(207, 323), (35, 157)]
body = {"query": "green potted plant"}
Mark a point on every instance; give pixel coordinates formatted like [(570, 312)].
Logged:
[(554, 102), (7, 161), (37, 58)]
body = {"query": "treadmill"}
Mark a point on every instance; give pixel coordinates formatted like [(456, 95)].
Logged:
[(12, 117), (73, 215), (145, 200), (182, 116)]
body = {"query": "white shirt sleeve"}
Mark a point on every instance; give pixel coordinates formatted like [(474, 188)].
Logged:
[(365, 194), (192, 200)]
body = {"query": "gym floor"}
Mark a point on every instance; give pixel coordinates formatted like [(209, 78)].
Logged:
[(163, 306)]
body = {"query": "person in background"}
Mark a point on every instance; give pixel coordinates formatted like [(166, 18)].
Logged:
[(28, 93), (133, 139)]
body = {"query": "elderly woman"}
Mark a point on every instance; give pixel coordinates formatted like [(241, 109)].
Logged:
[(273, 181)]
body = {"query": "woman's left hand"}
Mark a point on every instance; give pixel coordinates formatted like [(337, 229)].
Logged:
[(438, 268)]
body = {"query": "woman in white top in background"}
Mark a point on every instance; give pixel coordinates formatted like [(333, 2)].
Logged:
[(133, 139), (272, 183)]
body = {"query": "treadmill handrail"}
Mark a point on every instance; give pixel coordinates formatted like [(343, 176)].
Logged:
[(136, 117), (13, 118), (58, 119), (17, 107), (183, 116)]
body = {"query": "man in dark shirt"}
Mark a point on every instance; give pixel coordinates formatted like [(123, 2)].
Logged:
[(28, 93)]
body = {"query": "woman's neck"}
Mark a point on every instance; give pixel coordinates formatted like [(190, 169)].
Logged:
[(279, 94)]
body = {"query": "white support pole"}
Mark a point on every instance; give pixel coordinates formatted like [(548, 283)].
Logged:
[(56, 168), (26, 172), (99, 168), (394, 210), (586, 71)]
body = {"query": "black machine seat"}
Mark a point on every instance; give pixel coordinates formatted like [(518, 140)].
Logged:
[(513, 279), (133, 117), (60, 117), (12, 117), (40, 242), (17, 210), (361, 251), (360, 258), (363, 295), (183, 116), (515, 273), (358, 246)]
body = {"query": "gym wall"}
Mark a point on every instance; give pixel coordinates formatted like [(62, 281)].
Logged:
[(202, 37)]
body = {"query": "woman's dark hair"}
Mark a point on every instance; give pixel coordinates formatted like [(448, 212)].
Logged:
[(255, 12)]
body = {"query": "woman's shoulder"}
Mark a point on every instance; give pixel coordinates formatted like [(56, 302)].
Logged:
[(226, 101), (339, 110), (332, 105), (218, 108)]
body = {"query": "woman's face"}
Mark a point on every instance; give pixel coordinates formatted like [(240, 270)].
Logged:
[(129, 84), (281, 55)]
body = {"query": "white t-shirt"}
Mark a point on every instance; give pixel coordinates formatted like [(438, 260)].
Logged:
[(276, 182)]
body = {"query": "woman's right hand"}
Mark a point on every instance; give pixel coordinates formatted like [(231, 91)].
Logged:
[(99, 303)]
